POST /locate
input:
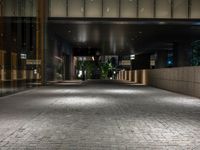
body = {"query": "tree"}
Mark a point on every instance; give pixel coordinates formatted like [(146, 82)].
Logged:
[(106, 67), (196, 53)]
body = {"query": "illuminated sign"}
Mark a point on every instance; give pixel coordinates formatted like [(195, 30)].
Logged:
[(33, 62), (23, 56), (125, 63), (132, 57)]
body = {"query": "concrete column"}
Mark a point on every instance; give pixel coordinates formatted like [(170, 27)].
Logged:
[(161, 61), (2, 53), (120, 75), (127, 75), (181, 54), (144, 77), (136, 76), (41, 37), (130, 75), (123, 76)]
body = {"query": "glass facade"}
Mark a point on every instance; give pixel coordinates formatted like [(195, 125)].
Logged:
[(20, 67), (18, 62), (18, 8)]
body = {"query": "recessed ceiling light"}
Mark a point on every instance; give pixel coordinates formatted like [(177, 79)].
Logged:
[(69, 31)]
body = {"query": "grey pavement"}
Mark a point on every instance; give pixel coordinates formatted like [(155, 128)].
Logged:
[(107, 115)]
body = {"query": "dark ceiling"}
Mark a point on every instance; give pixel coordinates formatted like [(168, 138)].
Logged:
[(124, 37)]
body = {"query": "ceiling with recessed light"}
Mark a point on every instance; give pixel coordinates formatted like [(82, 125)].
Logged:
[(111, 36)]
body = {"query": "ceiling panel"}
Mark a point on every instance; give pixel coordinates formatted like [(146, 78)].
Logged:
[(120, 37)]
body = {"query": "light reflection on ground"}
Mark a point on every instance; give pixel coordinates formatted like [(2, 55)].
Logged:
[(99, 116)]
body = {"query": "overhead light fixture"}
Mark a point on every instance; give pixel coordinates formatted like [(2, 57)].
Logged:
[(93, 58), (35, 71), (80, 73)]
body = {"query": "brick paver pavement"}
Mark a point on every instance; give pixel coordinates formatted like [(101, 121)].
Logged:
[(99, 116)]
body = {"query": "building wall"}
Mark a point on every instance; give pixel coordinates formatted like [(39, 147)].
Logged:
[(177, 9), (18, 70), (59, 52), (185, 80)]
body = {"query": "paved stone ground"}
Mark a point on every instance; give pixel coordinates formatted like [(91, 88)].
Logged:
[(99, 116)]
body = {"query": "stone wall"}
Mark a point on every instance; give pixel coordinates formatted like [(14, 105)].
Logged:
[(137, 76), (185, 80)]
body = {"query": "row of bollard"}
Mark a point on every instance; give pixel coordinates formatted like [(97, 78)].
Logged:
[(136, 76)]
